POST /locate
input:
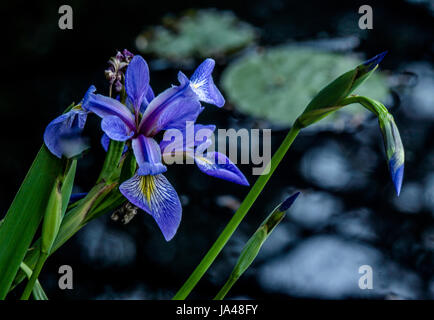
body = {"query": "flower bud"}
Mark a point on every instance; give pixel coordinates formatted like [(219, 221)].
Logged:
[(394, 149), (52, 218), (252, 247), (116, 70), (329, 98)]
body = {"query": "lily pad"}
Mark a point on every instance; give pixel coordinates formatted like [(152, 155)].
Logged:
[(202, 33), (277, 84)]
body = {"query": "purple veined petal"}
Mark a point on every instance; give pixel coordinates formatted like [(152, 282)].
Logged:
[(148, 98), (156, 196), (170, 109), (116, 129), (67, 126), (190, 136), (203, 84), (89, 91), (105, 142), (104, 106), (148, 156), (219, 166), (137, 81)]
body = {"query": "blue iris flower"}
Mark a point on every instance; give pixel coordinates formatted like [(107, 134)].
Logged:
[(146, 115)]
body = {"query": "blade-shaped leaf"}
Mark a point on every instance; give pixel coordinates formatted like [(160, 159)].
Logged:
[(26, 211)]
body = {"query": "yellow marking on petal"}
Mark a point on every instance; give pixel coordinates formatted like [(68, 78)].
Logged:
[(206, 160), (147, 187)]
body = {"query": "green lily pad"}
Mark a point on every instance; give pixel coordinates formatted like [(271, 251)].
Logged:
[(277, 84), (202, 33)]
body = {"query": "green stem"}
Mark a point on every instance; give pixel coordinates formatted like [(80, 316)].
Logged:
[(237, 217), (111, 160), (35, 274), (225, 289)]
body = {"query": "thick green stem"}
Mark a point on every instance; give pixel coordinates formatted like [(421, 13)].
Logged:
[(237, 218), (35, 274)]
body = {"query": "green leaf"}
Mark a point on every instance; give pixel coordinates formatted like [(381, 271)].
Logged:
[(276, 84), (26, 211), (38, 292), (203, 33)]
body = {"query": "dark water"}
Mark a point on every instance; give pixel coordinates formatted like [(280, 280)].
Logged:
[(348, 215)]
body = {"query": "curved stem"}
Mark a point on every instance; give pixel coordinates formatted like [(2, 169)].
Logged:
[(237, 217)]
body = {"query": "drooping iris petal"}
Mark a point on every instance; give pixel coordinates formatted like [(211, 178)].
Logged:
[(203, 84), (116, 129), (137, 80), (148, 156), (105, 142), (156, 196), (189, 137), (66, 126), (219, 166), (104, 106), (170, 109)]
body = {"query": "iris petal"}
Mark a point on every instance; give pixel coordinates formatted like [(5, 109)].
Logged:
[(116, 129), (104, 106), (156, 196), (105, 142), (148, 156), (137, 80), (149, 96), (170, 109), (66, 125), (191, 136), (219, 166), (203, 84)]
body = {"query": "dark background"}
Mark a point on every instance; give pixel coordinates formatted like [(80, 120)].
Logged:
[(353, 222)]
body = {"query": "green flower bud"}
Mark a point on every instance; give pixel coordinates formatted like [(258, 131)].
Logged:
[(329, 99), (52, 218)]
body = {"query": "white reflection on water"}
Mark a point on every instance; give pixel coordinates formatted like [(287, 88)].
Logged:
[(326, 166), (314, 209), (327, 267)]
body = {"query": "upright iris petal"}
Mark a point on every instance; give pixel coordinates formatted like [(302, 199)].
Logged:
[(156, 196), (170, 109), (137, 81)]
